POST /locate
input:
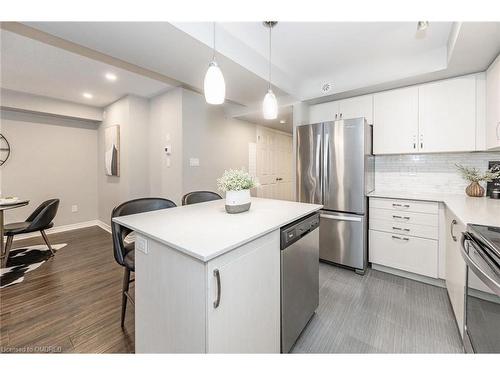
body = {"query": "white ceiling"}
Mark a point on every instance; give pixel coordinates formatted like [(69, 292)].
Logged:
[(162, 48), (285, 114), (354, 57), (38, 68)]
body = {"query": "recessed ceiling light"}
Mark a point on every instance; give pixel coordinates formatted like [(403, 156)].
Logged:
[(422, 25), (87, 95), (110, 76), (282, 122)]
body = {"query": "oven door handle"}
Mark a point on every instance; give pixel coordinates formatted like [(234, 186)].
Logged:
[(485, 278)]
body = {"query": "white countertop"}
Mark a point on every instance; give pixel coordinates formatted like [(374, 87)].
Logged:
[(205, 230), (484, 211)]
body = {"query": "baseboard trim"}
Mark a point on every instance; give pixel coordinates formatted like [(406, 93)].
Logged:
[(101, 224), (410, 275), (65, 228)]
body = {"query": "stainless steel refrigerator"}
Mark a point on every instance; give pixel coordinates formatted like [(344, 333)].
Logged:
[(335, 167)]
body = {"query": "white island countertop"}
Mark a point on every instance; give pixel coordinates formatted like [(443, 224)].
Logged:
[(205, 231), (483, 211)]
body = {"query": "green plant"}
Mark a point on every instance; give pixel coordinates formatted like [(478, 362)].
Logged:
[(235, 180), (472, 174)]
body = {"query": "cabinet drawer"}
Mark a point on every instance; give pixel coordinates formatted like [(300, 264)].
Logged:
[(425, 231), (405, 205), (412, 254), (404, 217)]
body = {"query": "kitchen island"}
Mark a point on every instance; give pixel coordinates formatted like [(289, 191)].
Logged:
[(208, 281)]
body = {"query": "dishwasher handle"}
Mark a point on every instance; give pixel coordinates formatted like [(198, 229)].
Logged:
[(295, 231)]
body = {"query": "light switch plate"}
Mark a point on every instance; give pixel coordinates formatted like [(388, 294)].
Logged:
[(194, 162), (74, 208), (141, 244)]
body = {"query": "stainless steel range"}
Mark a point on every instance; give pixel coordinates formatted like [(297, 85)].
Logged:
[(481, 252)]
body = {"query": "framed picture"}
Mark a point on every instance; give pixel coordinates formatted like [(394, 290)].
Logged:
[(112, 150)]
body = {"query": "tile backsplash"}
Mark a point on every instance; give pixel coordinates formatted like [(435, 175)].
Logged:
[(427, 172)]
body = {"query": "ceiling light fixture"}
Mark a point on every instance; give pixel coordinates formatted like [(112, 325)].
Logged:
[(110, 77), (422, 25), (270, 104), (87, 95), (214, 85), (282, 122)]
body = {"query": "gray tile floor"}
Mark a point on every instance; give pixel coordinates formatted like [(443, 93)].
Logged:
[(378, 313)]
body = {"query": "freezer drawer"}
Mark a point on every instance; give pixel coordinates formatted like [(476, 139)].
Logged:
[(342, 239)]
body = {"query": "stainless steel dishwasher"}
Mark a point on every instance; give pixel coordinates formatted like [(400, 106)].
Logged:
[(299, 277)]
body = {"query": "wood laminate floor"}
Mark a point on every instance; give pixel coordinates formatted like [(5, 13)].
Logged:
[(72, 304)]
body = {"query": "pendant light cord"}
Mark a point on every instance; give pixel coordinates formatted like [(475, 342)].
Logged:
[(213, 57), (270, 30)]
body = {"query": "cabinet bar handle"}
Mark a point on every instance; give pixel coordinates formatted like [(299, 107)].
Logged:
[(405, 229), (401, 238), (400, 205), (400, 217), (453, 222), (217, 278)]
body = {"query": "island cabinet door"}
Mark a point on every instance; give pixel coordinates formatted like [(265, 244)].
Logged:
[(243, 299)]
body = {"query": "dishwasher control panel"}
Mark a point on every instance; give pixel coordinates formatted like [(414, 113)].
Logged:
[(298, 229)]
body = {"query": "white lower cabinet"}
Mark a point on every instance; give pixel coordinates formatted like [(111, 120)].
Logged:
[(230, 304), (404, 235), (407, 253), (455, 267), (246, 318)]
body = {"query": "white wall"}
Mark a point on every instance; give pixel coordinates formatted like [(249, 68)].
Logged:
[(51, 157), (166, 128), (132, 114), (218, 141)]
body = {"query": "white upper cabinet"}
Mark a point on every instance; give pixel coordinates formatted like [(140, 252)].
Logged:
[(395, 115), (360, 106), (447, 115), (493, 106), (323, 112)]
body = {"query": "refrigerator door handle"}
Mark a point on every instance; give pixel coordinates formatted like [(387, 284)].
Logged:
[(318, 166), (326, 165), (338, 217)]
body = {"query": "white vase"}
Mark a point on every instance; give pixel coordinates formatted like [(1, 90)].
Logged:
[(237, 201)]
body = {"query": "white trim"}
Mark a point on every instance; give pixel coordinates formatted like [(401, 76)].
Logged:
[(64, 228), (409, 275), (101, 224)]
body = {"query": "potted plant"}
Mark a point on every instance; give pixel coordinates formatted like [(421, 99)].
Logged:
[(474, 176), (236, 183)]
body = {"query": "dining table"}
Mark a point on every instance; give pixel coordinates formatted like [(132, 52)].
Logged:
[(4, 207)]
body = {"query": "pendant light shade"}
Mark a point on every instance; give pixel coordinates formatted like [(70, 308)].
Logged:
[(270, 106), (214, 85)]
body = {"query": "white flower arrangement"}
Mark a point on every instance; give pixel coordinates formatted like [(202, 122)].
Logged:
[(235, 180)]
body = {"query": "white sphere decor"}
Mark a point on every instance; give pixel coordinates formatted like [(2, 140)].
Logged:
[(270, 106), (214, 85)]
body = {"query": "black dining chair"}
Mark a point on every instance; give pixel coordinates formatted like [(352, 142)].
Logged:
[(199, 197), (123, 250), (40, 220)]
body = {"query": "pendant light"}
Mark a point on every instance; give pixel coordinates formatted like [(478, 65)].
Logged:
[(270, 104), (214, 85)]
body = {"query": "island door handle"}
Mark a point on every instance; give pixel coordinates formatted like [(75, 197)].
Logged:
[(217, 278), (453, 222)]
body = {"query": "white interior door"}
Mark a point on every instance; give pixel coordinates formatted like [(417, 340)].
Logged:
[(274, 164)]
